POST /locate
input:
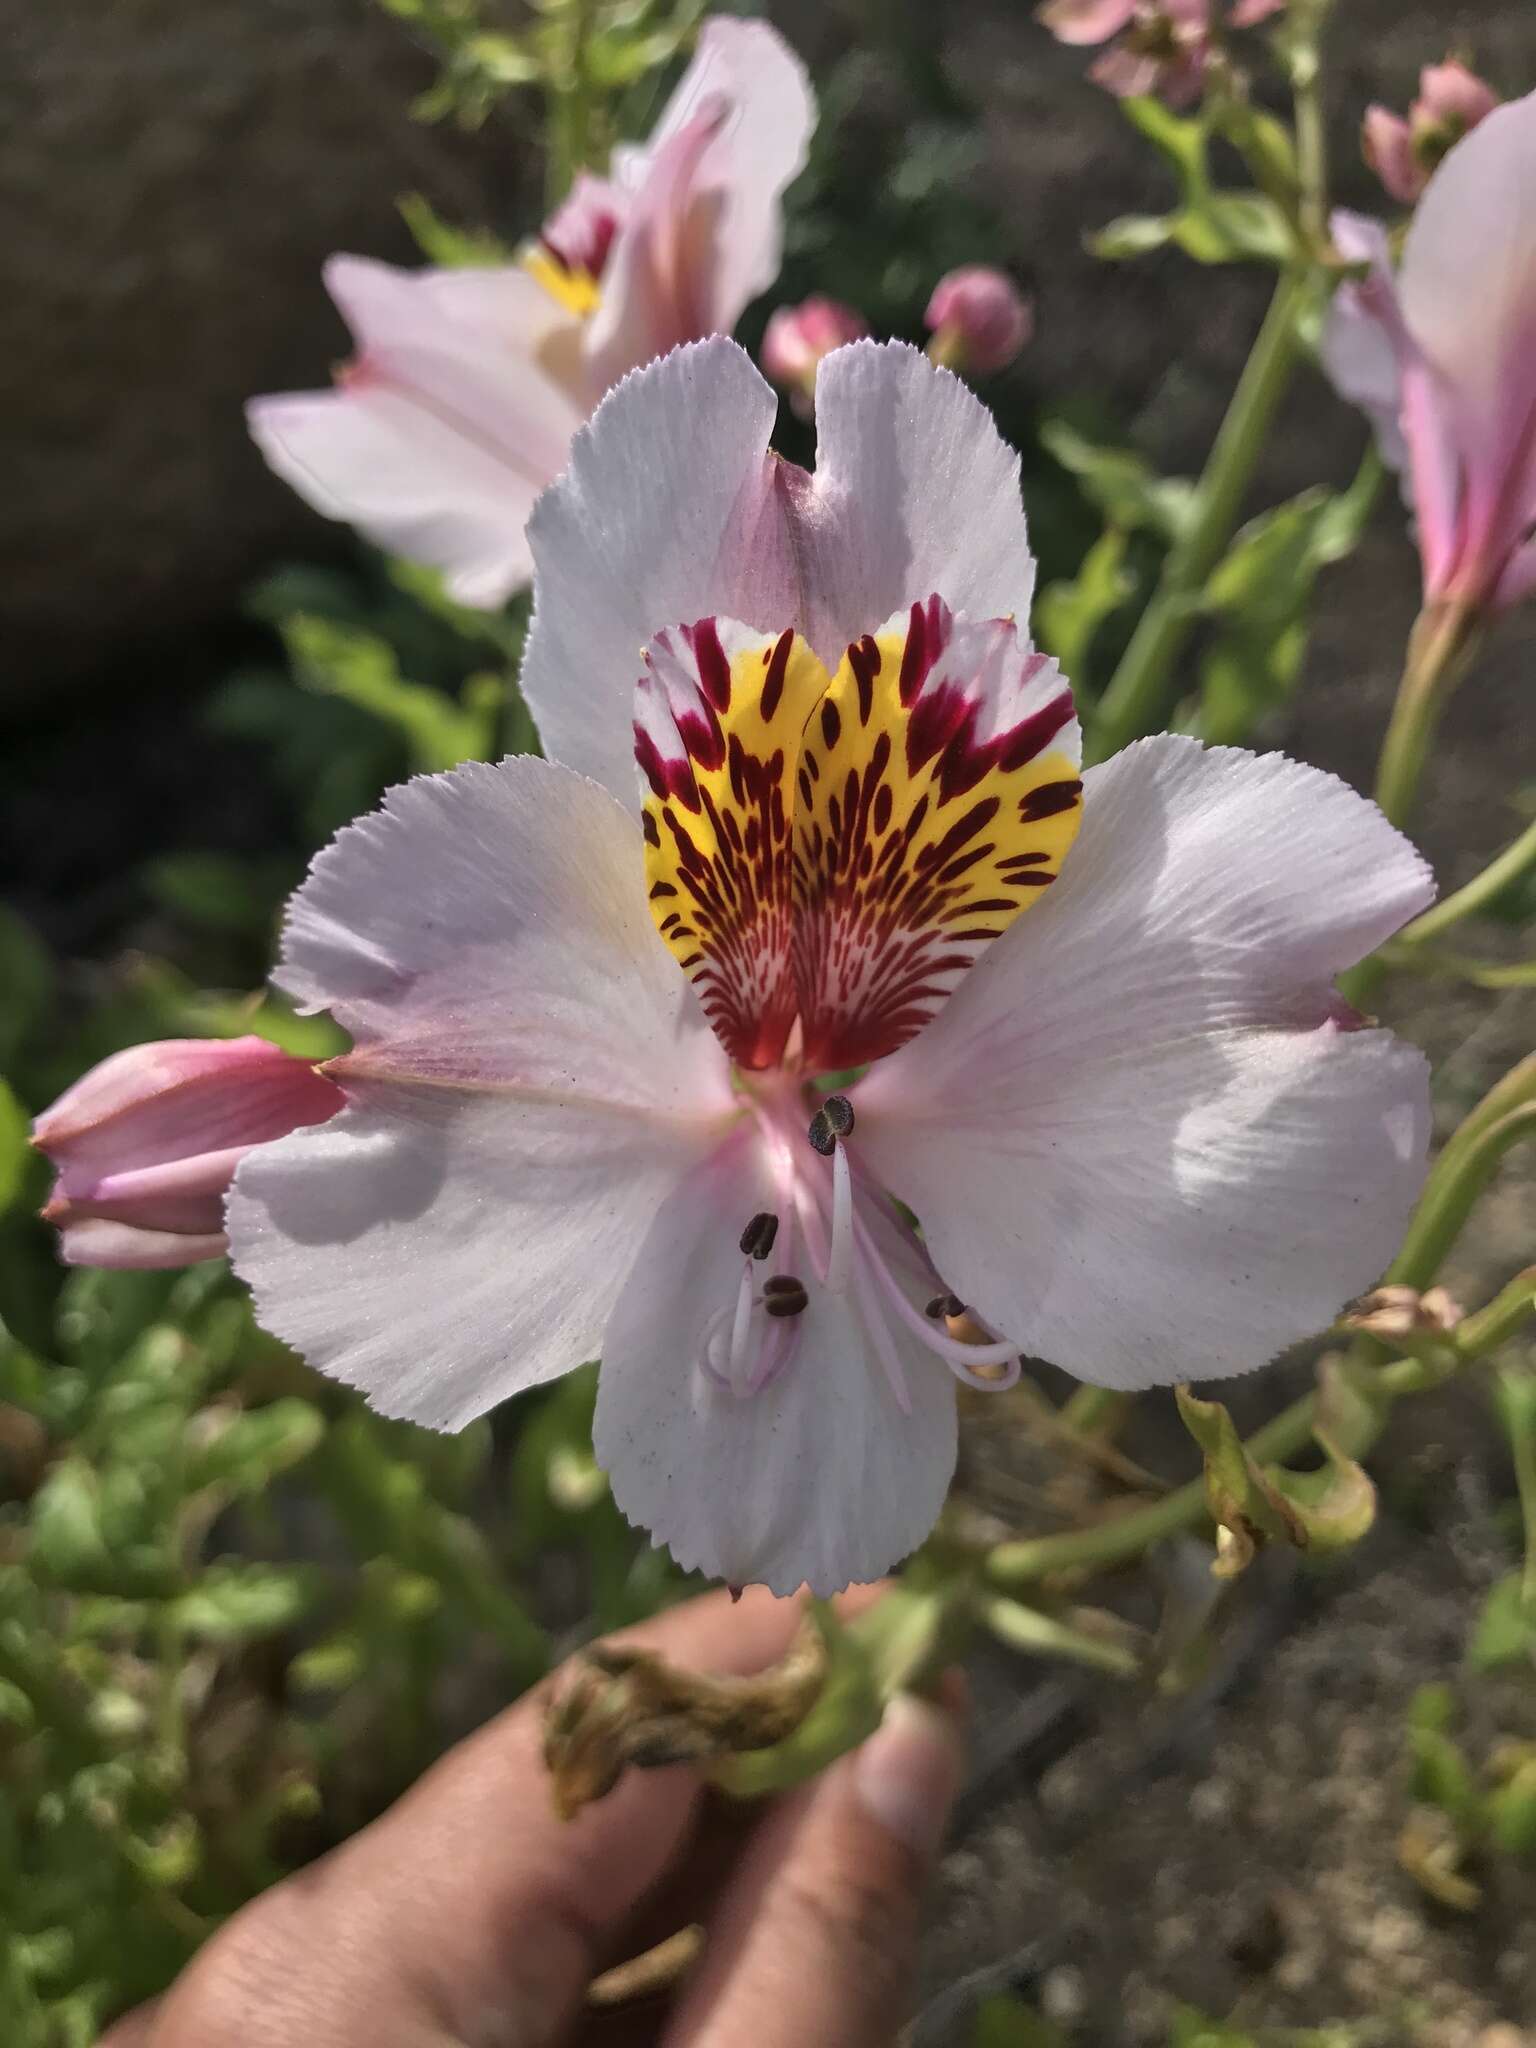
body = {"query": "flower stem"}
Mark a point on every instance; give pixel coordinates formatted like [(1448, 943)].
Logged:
[(1515, 861), (1135, 700), (570, 108), (1438, 651)]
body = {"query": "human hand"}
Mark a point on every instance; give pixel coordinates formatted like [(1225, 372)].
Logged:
[(469, 1916)]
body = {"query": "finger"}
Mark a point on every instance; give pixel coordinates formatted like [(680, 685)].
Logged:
[(133, 2030), (469, 1912), (813, 1941)]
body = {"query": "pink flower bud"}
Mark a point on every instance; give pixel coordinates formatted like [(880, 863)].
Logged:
[(1404, 154), (978, 318), (1451, 101), (1249, 13), (1387, 143), (146, 1144), (797, 337), (1086, 21)]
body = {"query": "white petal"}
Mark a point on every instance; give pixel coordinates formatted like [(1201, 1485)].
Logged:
[(673, 509), (667, 513), (916, 491), (733, 235), (1363, 339), (816, 1479), (531, 1078), (1138, 1137), (436, 445), (1468, 279)]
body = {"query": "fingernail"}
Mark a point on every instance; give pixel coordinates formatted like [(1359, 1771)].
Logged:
[(906, 1775)]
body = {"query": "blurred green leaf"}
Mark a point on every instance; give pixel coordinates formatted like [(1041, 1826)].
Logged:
[(234, 1602), (362, 668), (1121, 483), (26, 982), (219, 892), (16, 1154), (1211, 225), (246, 1452), (1068, 615), (453, 248), (1505, 1632)]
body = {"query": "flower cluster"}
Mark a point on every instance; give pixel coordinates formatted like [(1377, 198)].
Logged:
[(1155, 46)]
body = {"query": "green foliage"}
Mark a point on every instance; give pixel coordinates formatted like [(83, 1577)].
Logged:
[(1211, 224)]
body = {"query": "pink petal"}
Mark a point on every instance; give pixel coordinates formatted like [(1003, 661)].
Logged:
[(95, 1242), (673, 509), (1468, 290), (531, 1078), (816, 1479), (1387, 143), (438, 441), (1086, 21), (1136, 1137)]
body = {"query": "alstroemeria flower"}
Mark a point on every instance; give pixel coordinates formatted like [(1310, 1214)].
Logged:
[(599, 1101), (1442, 356), (467, 385), (1159, 46), (1452, 101)]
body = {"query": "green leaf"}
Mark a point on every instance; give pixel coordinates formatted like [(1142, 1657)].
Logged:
[(16, 1154), (362, 668), (1244, 1500), (220, 893), (1121, 483), (232, 1603), (1512, 1813), (1005, 2021), (247, 1451), (453, 248), (1259, 596), (26, 984), (1506, 1629), (1211, 225), (1068, 615)]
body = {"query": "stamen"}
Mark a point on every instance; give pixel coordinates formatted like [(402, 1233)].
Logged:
[(883, 1342), (962, 1359), (944, 1305), (822, 1135), (838, 1111), (784, 1295), (739, 1329), (757, 1238), (840, 1251)]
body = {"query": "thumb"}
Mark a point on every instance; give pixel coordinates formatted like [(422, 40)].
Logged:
[(815, 1936)]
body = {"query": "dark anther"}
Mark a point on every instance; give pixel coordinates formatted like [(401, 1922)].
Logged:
[(757, 1238), (832, 1121), (946, 1305), (838, 1111), (784, 1295)]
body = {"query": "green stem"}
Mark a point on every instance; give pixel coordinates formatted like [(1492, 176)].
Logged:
[(1127, 1536), (570, 109), (1515, 861), (1041, 1635), (1136, 698), (1438, 651), (1494, 1325)]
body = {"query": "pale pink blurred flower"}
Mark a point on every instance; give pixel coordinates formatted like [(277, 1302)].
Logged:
[(978, 318), (146, 1144), (1403, 154), (589, 1007), (468, 384), (1161, 46), (797, 337), (1442, 356)]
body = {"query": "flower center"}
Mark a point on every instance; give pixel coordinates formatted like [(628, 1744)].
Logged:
[(833, 851), (825, 1233)]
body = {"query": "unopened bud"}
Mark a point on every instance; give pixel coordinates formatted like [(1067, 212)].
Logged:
[(797, 337), (1405, 153), (147, 1143), (978, 318)]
